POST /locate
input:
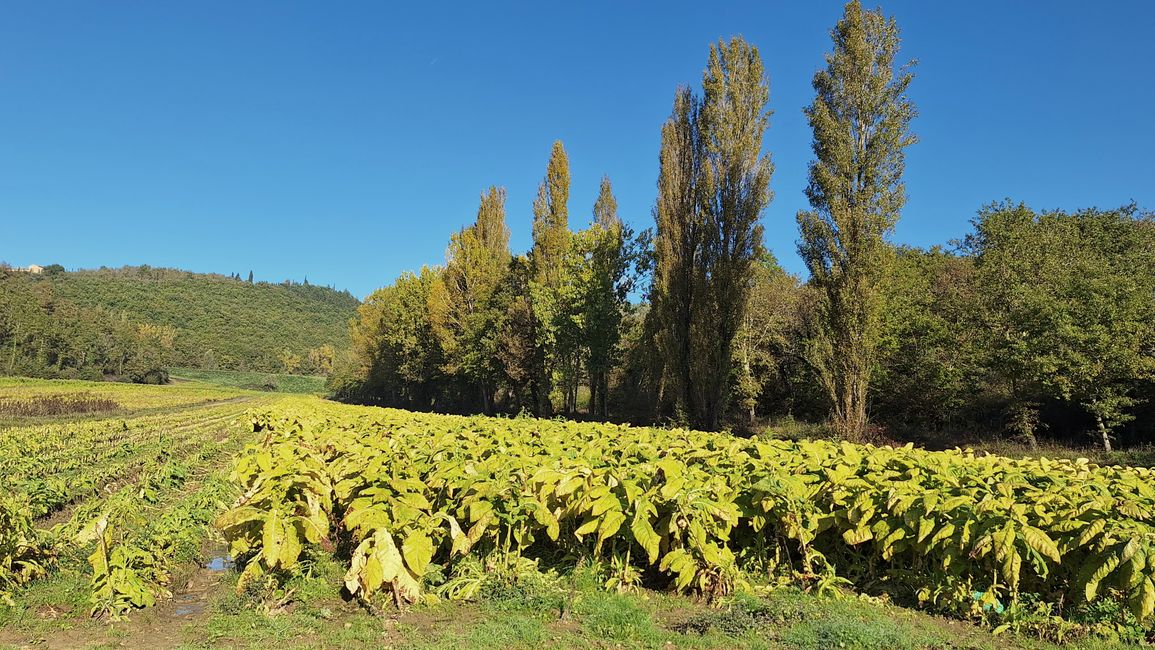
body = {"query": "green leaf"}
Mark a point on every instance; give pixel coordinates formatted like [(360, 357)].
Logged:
[(1095, 572)]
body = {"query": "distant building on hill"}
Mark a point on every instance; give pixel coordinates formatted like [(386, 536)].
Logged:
[(35, 269)]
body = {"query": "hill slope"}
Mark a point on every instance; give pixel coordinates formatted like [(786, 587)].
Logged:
[(220, 321)]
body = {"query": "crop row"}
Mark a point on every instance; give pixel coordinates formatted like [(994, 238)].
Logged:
[(52, 465), (131, 397), (401, 496), (144, 489)]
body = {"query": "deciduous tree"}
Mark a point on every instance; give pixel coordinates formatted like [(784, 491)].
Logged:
[(551, 286), (713, 186), (459, 301), (1068, 300), (607, 285), (860, 117)]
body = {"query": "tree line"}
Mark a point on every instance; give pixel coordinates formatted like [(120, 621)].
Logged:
[(1034, 323), (136, 322), (45, 335)]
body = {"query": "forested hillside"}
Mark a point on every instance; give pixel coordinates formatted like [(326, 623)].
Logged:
[(131, 320)]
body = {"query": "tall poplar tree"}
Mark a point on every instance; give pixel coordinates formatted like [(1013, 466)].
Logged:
[(860, 117), (460, 301), (713, 186), (551, 220), (549, 262), (677, 242)]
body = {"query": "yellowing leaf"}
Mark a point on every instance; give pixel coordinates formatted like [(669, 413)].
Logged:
[(1143, 602), (611, 522), (589, 525), (418, 552), (273, 538), (855, 536), (646, 536)]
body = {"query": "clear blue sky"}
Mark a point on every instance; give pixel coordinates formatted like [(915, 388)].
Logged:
[(344, 141)]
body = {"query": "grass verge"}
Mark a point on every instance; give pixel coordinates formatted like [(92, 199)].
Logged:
[(299, 384)]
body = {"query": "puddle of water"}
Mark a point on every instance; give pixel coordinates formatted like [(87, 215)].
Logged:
[(221, 563), (188, 605)]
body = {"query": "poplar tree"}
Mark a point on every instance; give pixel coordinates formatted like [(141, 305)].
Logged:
[(551, 220), (549, 288), (713, 186), (460, 301), (607, 286), (860, 118), (677, 242)]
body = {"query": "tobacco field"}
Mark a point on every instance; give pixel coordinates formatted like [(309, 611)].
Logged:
[(402, 498)]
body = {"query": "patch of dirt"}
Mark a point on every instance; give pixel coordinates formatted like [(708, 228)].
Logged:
[(460, 616), (160, 627)]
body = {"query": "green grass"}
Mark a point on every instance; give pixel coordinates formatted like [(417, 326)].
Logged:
[(303, 384), (572, 611), (519, 610)]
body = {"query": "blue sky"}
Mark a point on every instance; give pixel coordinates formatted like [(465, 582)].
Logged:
[(345, 141)]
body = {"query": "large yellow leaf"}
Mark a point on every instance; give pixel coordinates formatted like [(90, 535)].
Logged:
[(646, 536), (273, 538), (611, 522), (418, 552), (1143, 602)]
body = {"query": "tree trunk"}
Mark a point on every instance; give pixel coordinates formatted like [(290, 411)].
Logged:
[(850, 412), (753, 402), (1103, 433), (486, 398), (603, 395)]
